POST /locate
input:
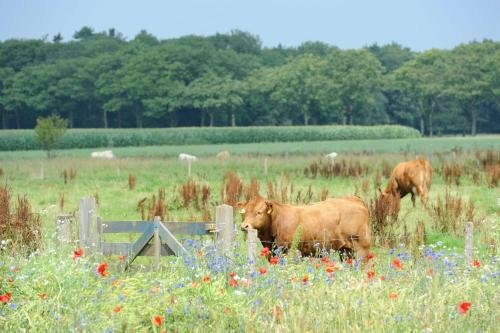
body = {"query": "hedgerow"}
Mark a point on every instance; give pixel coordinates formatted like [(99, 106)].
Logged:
[(94, 138)]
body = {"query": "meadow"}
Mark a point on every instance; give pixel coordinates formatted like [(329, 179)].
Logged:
[(412, 283)]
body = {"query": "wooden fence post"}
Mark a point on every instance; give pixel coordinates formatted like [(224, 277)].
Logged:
[(252, 246), (157, 242), (225, 228), (64, 229), (89, 229), (469, 242)]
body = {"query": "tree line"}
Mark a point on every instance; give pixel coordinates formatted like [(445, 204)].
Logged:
[(100, 79)]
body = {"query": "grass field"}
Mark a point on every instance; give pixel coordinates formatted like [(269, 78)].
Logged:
[(401, 146), (51, 291)]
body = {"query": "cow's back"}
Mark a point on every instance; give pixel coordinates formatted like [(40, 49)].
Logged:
[(329, 222)]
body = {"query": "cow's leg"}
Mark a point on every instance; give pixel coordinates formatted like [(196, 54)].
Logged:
[(413, 192), (345, 253), (424, 196)]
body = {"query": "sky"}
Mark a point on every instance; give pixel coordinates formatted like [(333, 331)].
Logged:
[(418, 24)]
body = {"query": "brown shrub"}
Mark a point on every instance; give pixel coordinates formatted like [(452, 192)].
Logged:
[(154, 206), (323, 195), (61, 202), (338, 169), (64, 174), (492, 174), (386, 169), (72, 174), (132, 181), (68, 175), (384, 211), (189, 192), (252, 190), (232, 188), (452, 173), (450, 212), (19, 225), (205, 195)]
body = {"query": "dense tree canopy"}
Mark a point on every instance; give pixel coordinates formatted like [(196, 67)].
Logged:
[(99, 79)]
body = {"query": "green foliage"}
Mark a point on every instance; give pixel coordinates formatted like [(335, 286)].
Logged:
[(91, 138), (49, 131), (100, 80)]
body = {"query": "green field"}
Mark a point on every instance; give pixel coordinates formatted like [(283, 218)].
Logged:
[(408, 146), (52, 292)]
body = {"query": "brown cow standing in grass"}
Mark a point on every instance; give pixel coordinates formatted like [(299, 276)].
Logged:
[(412, 177), (341, 224)]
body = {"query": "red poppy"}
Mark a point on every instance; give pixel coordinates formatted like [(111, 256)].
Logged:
[(330, 268), (232, 274), (305, 279), (233, 282), (370, 256), (325, 260), (42, 295), (5, 298), (121, 257), (274, 260), (464, 307), (78, 253), (264, 252), (117, 309), (397, 264), (157, 320), (349, 261), (370, 275), (382, 278), (262, 270), (101, 269), (393, 295), (475, 263), (206, 279)]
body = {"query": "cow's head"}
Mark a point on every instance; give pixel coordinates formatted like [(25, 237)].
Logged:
[(256, 213)]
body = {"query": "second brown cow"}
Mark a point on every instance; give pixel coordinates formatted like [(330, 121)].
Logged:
[(411, 177), (340, 224)]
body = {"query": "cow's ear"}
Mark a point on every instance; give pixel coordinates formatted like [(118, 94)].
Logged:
[(269, 207), (241, 207)]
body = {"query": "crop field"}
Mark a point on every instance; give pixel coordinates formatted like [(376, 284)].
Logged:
[(413, 282)]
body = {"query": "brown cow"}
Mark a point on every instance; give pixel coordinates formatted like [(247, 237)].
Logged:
[(340, 224), (412, 177)]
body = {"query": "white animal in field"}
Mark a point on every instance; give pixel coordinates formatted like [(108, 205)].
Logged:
[(331, 156), (187, 158), (223, 155), (106, 154)]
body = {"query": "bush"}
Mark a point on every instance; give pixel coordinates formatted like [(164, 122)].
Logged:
[(94, 138), (49, 131), (20, 228)]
